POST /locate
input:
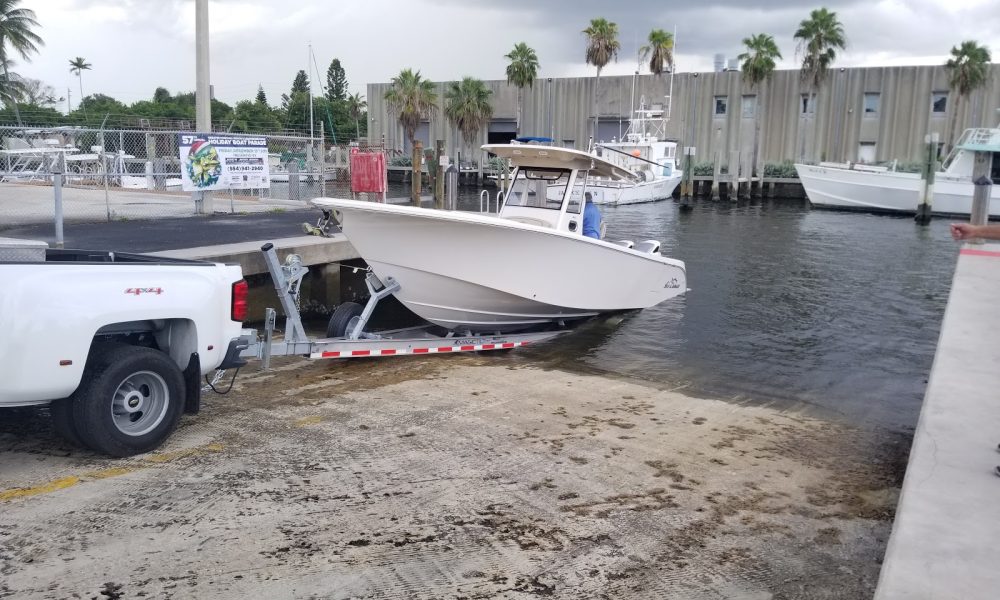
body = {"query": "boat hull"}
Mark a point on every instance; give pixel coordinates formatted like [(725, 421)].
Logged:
[(887, 192), (467, 271), (614, 193)]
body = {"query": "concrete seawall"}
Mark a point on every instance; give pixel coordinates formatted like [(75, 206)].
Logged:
[(945, 541)]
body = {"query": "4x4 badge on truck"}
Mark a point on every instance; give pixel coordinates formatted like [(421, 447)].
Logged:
[(139, 291)]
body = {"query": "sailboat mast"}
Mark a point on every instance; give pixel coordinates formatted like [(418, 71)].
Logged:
[(309, 68), (673, 53)]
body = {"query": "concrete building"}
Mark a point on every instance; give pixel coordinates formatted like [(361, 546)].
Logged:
[(870, 114)]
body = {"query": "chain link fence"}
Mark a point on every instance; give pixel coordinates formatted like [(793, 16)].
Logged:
[(133, 174)]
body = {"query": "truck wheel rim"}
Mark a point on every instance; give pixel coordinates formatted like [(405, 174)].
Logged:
[(140, 403)]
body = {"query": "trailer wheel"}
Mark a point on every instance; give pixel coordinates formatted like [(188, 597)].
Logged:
[(129, 401), (344, 319)]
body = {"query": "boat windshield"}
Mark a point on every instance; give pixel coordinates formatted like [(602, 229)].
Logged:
[(538, 188)]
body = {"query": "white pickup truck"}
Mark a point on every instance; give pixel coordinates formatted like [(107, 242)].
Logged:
[(115, 344)]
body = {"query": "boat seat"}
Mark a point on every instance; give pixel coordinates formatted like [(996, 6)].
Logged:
[(626, 243), (648, 246)]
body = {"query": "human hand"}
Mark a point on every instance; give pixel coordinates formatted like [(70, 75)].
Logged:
[(963, 231)]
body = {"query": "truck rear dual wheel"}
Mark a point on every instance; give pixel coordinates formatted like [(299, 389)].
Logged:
[(129, 401)]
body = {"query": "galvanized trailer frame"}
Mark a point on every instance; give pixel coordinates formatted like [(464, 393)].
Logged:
[(357, 342)]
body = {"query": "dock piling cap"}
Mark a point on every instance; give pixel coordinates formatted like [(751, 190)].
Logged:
[(983, 180)]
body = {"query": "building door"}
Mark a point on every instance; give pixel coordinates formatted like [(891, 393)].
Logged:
[(611, 129), (501, 132), (866, 152), (423, 134)]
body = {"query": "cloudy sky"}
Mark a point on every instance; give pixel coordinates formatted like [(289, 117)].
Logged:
[(137, 45)]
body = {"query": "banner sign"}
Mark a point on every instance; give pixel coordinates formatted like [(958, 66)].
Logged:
[(219, 161)]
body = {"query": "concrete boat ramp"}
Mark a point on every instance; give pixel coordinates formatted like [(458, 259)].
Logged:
[(946, 537)]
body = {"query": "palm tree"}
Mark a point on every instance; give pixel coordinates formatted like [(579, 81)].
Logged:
[(757, 64), (602, 47), (411, 97), (78, 65), (521, 71), (12, 88), (16, 33), (468, 107), (819, 37), (968, 69), (356, 106), (661, 49)]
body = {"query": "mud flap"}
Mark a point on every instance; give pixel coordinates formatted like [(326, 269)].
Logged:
[(192, 385)]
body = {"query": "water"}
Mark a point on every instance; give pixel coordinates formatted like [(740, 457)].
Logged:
[(835, 313)]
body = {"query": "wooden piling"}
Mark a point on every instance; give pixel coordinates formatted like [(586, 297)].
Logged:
[(716, 172), (418, 159), (923, 216), (439, 175)]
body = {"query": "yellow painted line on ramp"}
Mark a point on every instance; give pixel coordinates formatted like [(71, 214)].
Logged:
[(45, 488), (72, 480)]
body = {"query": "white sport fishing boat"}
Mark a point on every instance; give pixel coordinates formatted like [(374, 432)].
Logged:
[(880, 189), (644, 151), (527, 267)]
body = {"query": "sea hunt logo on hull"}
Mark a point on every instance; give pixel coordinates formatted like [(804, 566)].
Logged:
[(140, 291), (673, 284)]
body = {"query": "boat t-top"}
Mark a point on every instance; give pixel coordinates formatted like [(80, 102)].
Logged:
[(529, 266)]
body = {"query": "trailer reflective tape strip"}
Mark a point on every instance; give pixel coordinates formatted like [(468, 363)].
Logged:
[(361, 352), (389, 351), (489, 346), (507, 345), (421, 350), (443, 349), (467, 348), (329, 354)]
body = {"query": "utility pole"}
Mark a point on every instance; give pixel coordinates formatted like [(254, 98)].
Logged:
[(69, 104), (203, 100)]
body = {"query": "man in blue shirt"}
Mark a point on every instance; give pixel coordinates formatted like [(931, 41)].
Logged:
[(591, 218)]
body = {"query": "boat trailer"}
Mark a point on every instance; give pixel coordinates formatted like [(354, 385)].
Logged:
[(347, 326)]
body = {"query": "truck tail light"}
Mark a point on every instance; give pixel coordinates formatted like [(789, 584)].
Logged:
[(239, 306)]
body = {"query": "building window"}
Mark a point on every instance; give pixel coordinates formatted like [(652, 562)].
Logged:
[(721, 102), (872, 104), (939, 102), (749, 106), (808, 105)]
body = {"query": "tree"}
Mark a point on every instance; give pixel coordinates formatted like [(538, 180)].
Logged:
[(411, 98), (162, 95), (301, 83), (78, 65), (968, 70), (521, 71), (660, 51), (602, 47), (336, 82), (256, 117), (261, 96), (11, 87), (357, 107), (468, 107), (16, 34), (819, 37), (38, 93), (757, 63)]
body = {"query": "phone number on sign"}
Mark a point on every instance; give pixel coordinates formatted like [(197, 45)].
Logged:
[(245, 168)]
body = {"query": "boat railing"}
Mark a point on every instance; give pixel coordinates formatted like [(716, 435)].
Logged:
[(484, 201)]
